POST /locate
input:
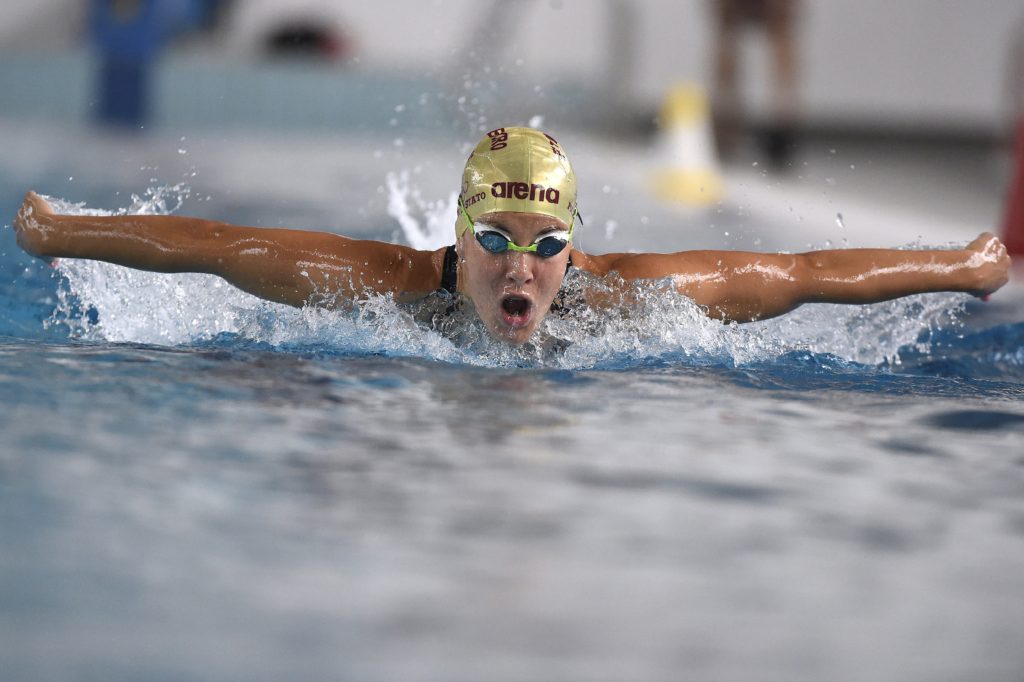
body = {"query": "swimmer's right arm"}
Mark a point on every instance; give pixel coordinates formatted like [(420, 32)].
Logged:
[(294, 267), (743, 286)]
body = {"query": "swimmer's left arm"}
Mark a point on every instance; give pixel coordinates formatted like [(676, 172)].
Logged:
[(744, 286), (295, 267)]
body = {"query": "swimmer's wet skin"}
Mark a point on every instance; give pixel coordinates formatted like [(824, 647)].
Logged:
[(513, 246)]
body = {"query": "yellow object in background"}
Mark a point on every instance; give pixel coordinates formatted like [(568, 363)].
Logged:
[(689, 171)]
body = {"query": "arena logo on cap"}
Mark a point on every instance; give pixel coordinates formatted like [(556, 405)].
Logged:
[(523, 190)]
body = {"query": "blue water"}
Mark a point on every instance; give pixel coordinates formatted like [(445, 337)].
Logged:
[(195, 485)]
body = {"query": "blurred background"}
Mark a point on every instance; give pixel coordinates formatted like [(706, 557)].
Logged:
[(868, 122), (221, 510)]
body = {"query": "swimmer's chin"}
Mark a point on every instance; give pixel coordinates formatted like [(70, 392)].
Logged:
[(513, 337), (511, 331)]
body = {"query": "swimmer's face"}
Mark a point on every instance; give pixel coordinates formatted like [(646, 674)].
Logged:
[(512, 291)]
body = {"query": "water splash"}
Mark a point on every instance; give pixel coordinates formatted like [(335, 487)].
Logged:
[(159, 200), (647, 321), (426, 225), (654, 321)]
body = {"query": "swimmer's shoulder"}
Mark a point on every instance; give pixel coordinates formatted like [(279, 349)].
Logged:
[(396, 268), (599, 265), (631, 266), (416, 273)]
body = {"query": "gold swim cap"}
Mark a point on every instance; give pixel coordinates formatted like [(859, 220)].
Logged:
[(518, 169)]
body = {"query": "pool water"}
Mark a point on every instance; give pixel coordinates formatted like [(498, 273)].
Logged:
[(197, 485)]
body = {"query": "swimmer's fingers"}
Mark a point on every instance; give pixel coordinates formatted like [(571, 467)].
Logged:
[(986, 242), (34, 204), (39, 202), (989, 264), (31, 206), (31, 224)]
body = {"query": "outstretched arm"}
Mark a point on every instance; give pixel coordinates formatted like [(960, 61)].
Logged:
[(742, 286), (288, 266)]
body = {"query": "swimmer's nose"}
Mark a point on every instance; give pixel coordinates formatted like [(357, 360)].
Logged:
[(518, 267)]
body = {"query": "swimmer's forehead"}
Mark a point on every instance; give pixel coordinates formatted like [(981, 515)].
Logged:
[(532, 221)]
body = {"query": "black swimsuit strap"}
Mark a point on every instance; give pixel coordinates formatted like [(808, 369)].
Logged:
[(450, 270)]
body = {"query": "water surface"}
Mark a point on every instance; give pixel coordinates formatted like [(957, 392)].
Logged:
[(196, 485)]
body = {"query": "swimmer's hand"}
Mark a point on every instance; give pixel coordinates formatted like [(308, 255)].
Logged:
[(33, 225), (988, 265)]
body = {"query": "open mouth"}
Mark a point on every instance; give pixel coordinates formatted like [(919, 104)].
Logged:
[(516, 310)]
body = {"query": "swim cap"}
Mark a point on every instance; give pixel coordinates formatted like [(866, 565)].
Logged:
[(518, 169)]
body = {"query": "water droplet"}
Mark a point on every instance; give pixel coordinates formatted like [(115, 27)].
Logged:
[(839, 220), (536, 121), (852, 166), (754, 164), (399, 108), (182, 151)]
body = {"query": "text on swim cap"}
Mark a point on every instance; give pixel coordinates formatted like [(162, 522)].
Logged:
[(522, 190), (555, 149), (469, 201), (499, 139)]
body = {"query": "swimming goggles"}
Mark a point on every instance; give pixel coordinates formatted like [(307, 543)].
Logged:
[(496, 242)]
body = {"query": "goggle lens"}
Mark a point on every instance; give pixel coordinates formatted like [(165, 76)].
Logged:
[(495, 242), (550, 246), (492, 241)]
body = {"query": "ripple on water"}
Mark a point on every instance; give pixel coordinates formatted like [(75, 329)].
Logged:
[(977, 420)]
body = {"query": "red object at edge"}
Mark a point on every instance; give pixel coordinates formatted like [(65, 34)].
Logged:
[(1013, 227)]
